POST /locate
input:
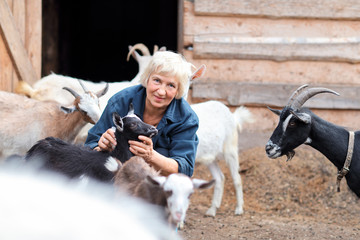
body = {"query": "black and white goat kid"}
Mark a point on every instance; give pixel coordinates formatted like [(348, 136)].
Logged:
[(76, 161), (298, 125)]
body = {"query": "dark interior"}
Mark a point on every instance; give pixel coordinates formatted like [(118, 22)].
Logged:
[(89, 39)]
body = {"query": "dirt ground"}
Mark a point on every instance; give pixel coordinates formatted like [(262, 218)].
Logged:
[(282, 200)]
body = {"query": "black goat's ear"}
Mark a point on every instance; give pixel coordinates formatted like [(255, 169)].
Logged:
[(119, 124), (276, 111), (131, 109)]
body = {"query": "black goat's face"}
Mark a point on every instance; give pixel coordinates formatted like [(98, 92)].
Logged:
[(131, 126), (292, 131)]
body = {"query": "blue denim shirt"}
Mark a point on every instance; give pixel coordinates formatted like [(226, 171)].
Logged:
[(176, 138)]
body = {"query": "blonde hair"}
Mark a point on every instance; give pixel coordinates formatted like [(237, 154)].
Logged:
[(170, 64)]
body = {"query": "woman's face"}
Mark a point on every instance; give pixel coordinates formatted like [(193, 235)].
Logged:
[(161, 90)]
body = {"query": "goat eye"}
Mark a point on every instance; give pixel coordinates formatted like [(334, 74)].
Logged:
[(133, 125), (292, 124), (168, 193)]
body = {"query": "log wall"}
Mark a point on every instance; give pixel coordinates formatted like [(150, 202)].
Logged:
[(258, 51)]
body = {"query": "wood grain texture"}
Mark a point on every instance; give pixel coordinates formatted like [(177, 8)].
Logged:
[(325, 9), (15, 46), (344, 49), (275, 94)]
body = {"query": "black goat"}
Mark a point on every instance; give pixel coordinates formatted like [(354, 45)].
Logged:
[(298, 125), (77, 161)]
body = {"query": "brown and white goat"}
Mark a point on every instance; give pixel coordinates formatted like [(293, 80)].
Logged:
[(138, 179), (24, 121)]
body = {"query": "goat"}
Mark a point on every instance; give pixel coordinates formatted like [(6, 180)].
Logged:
[(298, 125), (138, 179), (76, 161), (218, 139), (25, 121), (44, 205)]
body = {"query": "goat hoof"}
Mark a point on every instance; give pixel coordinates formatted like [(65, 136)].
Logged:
[(239, 211), (211, 212)]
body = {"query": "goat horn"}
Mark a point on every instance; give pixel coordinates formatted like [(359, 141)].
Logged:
[(306, 95), (296, 93), (75, 94), (156, 48), (104, 91), (83, 86), (139, 46)]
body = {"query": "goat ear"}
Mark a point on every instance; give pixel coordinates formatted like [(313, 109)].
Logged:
[(163, 48), (198, 73), (276, 111), (202, 184), (119, 124), (157, 181), (131, 109), (68, 110)]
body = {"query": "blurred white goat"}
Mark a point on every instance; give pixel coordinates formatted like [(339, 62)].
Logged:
[(40, 206)]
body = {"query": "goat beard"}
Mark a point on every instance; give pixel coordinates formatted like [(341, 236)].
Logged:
[(290, 155)]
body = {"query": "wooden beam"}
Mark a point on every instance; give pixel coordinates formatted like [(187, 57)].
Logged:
[(277, 48), (274, 94), (324, 9), (15, 45)]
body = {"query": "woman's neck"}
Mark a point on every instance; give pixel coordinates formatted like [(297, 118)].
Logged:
[(153, 115)]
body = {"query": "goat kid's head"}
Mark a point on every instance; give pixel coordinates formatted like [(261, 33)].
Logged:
[(294, 124), (131, 126), (87, 103), (178, 189)]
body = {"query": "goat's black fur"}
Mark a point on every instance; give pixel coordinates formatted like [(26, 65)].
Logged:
[(75, 161), (329, 139)]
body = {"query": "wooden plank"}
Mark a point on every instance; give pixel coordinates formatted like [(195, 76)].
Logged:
[(33, 34), (325, 9), (15, 46), (19, 13), (275, 94), (278, 48)]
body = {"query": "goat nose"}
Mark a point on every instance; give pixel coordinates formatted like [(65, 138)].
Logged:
[(269, 146)]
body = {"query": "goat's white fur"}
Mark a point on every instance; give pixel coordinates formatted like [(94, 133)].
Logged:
[(42, 206), (218, 139), (25, 121)]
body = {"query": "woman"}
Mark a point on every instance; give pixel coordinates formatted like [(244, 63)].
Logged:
[(157, 101)]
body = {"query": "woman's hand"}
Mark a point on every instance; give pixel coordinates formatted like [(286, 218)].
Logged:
[(107, 141), (143, 149)]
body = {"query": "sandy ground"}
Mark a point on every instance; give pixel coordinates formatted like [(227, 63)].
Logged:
[(283, 200)]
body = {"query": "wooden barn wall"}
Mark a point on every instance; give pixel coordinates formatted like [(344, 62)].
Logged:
[(20, 42), (258, 51)]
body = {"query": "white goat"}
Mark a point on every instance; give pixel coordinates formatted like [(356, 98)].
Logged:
[(25, 120), (138, 179), (42, 205), (218, 139)]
